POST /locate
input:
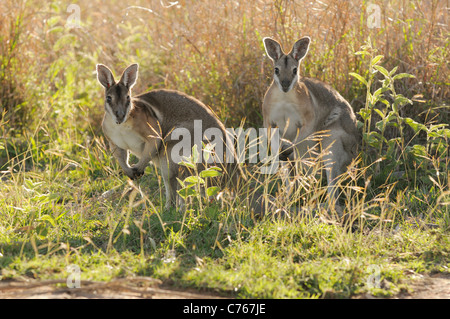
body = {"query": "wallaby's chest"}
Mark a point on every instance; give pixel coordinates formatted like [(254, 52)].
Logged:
[(285, 115), (293, 112), (124, 136)]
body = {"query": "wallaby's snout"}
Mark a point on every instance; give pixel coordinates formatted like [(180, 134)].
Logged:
[(118, 101), (286, 65), (117, 95), (286, 84)]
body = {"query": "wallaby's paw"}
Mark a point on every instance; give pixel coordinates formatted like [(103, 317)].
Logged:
[(136, 173), (286, 150)]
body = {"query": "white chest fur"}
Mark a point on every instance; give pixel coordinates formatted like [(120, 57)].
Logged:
[(284, 114), (124, 136)]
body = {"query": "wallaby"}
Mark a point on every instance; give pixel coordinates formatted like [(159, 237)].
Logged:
[(301, 107), (144, 125)]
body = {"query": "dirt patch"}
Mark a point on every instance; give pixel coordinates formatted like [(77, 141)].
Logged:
[(435, 286), (428, 287), (127, 288)]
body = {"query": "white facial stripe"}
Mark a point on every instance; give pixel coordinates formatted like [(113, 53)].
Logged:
[(126, 114), (293, 82), (277, 81), (110, 111)]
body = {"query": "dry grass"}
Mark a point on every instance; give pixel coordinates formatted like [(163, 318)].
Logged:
[(213, 49)]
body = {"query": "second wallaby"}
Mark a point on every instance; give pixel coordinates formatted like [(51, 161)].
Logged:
[(143, 125), (301, 107)]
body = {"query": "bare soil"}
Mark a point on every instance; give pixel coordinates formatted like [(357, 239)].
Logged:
[(126, 288), (428, 287)]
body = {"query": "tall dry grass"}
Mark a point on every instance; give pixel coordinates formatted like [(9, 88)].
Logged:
[(213, 49)]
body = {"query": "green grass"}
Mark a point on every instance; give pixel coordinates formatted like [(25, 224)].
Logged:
[(64, 200), (50, 222)]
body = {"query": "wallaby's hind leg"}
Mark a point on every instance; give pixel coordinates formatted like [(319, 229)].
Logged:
[(335, 165), (168, 179)]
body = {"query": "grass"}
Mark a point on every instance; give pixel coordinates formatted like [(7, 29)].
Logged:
[(64, 201)]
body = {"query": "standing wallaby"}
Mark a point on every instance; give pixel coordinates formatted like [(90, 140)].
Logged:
[(301, 107), (144, 125)]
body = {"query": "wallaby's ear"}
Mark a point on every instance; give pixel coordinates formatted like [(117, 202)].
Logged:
[(273, 48), (105, 76), (300, 48), (130, 76)]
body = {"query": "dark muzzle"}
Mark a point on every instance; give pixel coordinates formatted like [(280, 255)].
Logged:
[(285, 85)]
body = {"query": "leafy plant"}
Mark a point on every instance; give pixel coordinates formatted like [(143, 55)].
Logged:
[(191, 185), (396, 151)]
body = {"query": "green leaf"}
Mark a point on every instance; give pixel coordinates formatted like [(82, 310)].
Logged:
[(210, 173), (380, 125), (57, 29), (194, 180), (373, 138), (445, 133), (49, 219), (195, 154), (415, 125), (418, 150), (53, 20), (401, 100), (360, 125), (212, 191), (402, 75), (382, 70), (381, 114), (187, 164), (384, 101), (41, 231), (365, 114), (359, 78), (180, 182), (393, 71), (376, 59), (379, 91), (186, 192)]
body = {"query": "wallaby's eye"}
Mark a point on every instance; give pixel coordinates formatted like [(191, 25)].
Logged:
[(109, 99), (128, 97), (294, 71), (277, 71)]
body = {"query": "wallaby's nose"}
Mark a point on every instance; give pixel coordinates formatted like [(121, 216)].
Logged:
[(285, 84), (120, 115), (119, 120)]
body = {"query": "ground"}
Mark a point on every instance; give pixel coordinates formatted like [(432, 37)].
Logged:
[(426, 287)]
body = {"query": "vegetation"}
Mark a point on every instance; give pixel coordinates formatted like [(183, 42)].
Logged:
[(64, 201)]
